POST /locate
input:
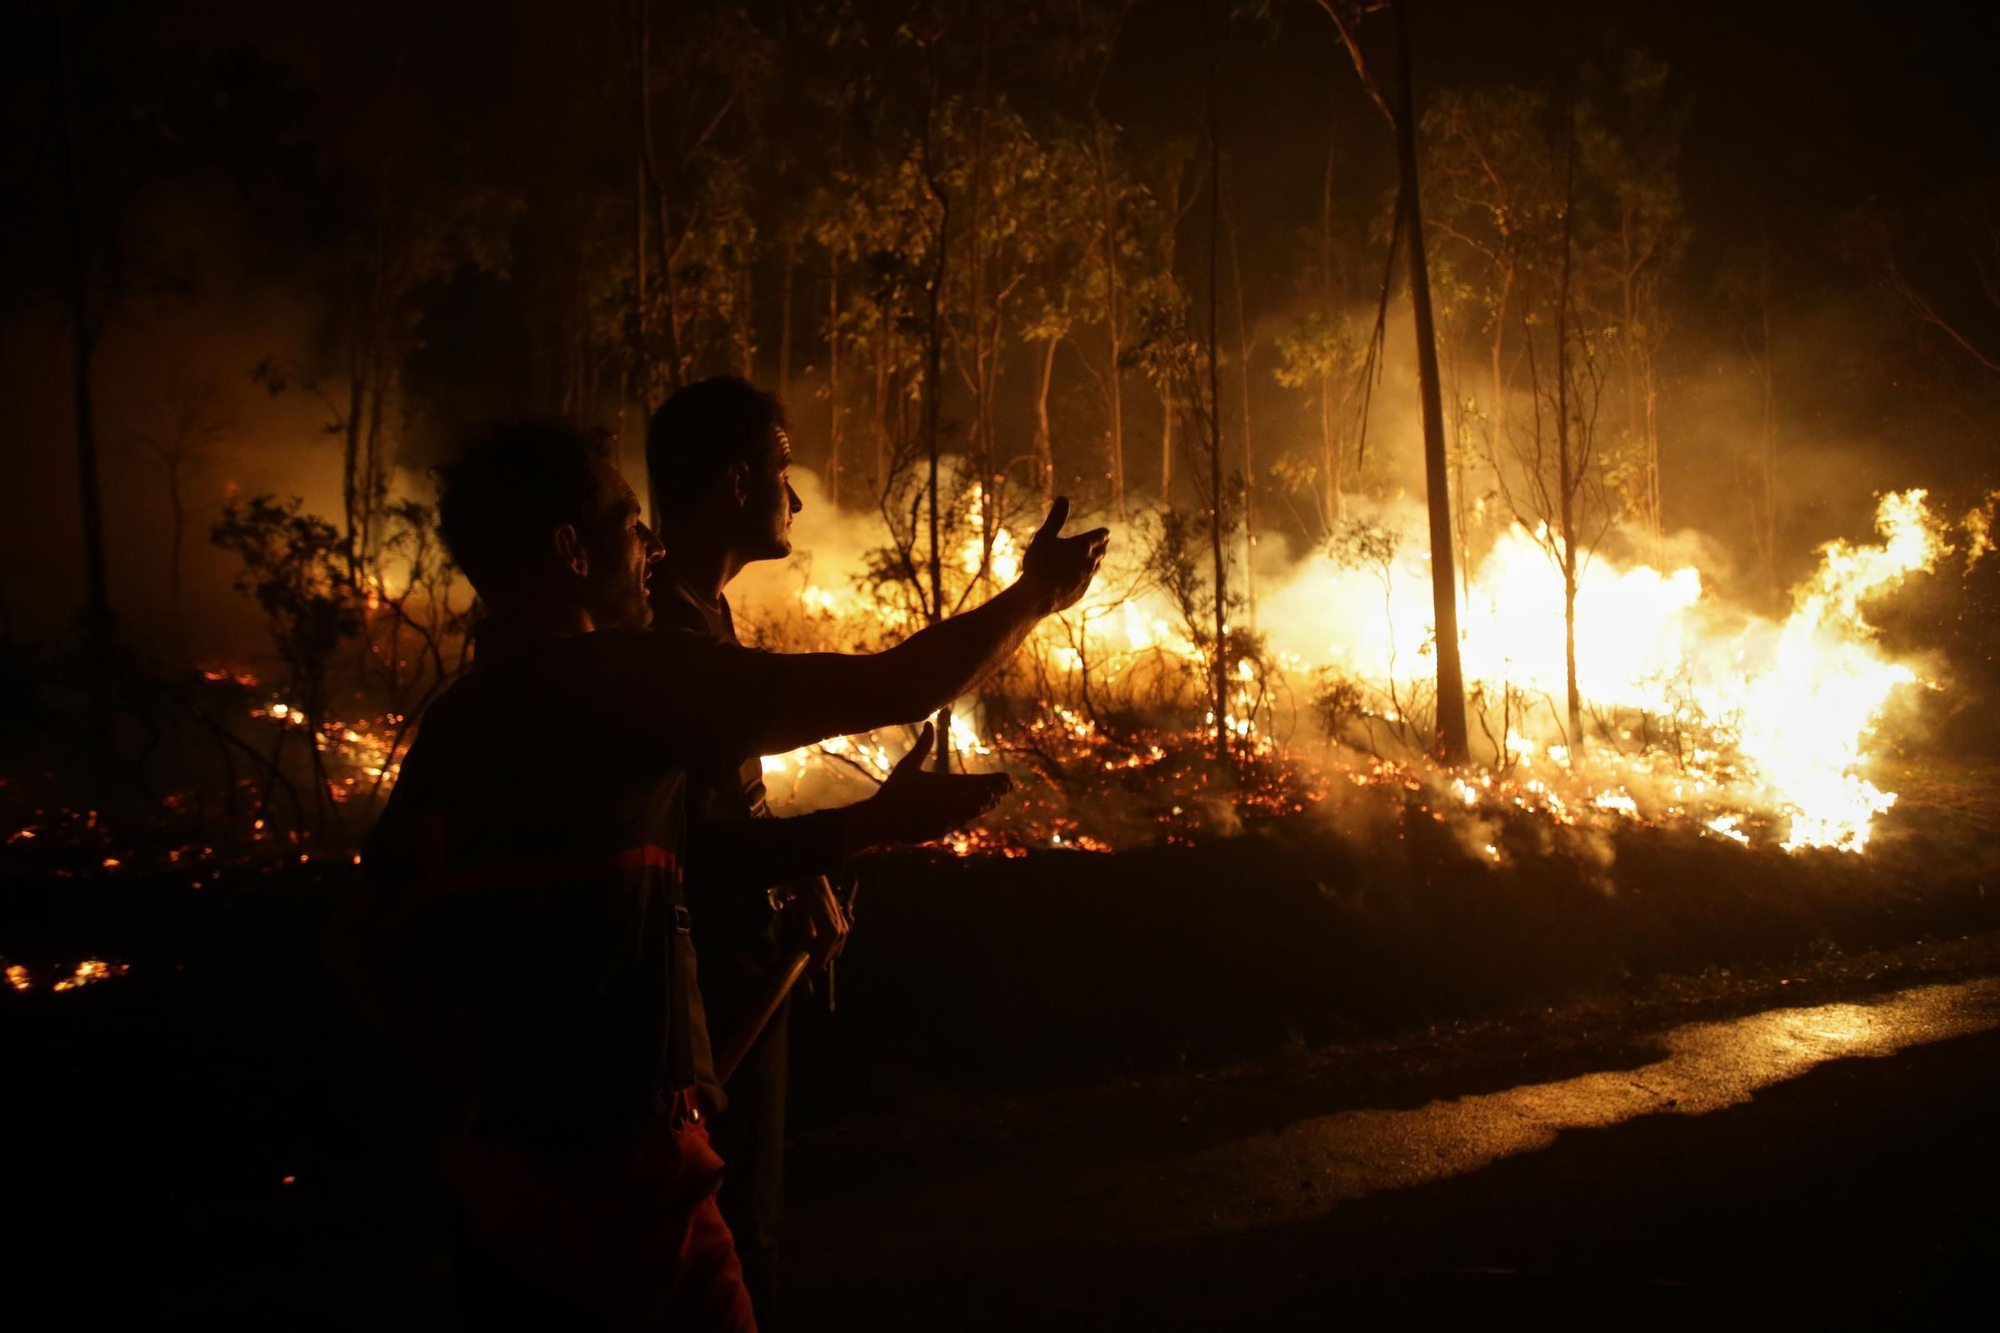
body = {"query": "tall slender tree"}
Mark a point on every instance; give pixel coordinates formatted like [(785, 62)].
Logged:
[(94, 283), (1217, 502), (1628, 126), (1245, 348), (190, 419), (1567, 461), (1108, 247), (639, 399), (1451, 728), (933, 171)]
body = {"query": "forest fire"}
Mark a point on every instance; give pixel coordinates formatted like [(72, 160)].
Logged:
[(86, 973), (1696, 711), (1384, 563)]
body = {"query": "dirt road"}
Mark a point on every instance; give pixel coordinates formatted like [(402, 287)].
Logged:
[(1832, 1157)]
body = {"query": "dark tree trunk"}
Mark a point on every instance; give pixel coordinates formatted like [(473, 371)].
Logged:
[(85, 329), (1243, 375), (1565, 461), (177, 508), (1451, 732), (745, 324), (1108, 246), (1220, 664), (375, 465), (1334, 508), (832, 381), (1045, 467), (933, 389), (785, 321), (96, 578), (640, 376), (985, 352), (350, 460), (881, 367)]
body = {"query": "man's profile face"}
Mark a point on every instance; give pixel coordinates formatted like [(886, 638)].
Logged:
[(770, 501), (622, 552)]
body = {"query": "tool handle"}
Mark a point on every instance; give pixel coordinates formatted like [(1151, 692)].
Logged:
[(752, 1027)]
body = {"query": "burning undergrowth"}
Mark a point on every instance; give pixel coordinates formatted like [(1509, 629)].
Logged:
[(1698, 714), (228, 780), (1695, 712)]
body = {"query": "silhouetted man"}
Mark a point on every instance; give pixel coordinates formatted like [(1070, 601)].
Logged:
[(530, 938), (718, 459)]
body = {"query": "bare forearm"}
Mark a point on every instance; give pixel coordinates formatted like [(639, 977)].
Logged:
[(939, 663), (833, 695)]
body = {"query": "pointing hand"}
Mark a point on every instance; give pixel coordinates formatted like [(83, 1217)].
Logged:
[(1060, 568)]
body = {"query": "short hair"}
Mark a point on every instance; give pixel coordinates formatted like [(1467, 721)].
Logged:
[(515, 481), (700, 430)]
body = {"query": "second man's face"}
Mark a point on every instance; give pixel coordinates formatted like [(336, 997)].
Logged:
[(770, 501)]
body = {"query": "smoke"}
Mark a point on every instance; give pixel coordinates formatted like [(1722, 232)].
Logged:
[(151, 367)]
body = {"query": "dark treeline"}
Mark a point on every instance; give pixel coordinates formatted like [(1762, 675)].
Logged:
[(580, 213)]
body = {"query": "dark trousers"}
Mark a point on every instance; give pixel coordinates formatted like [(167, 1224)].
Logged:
[(492, 1294), (749, 1136), (624, 1238)]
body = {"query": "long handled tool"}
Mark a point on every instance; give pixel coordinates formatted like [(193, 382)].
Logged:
[(752, 1027), (776, 988)]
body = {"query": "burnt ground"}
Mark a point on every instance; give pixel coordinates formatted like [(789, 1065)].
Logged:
[(1000, 1020)]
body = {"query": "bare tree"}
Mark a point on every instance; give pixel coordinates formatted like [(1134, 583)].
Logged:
[(1245, 348), (1569, 461), (1452, 737), (192, 419), (1629, 130), (1557, 494), (1217, 504), (1490, 208), (1321, 356), (639, 374), (1941, 264), (700, 87), (933, 173), (95, 280), (1108, 244)]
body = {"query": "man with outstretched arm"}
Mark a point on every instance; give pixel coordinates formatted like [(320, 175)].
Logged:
[(523, 929), (719, 459)]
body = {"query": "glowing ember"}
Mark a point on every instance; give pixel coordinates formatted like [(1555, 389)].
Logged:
[(88, 972)]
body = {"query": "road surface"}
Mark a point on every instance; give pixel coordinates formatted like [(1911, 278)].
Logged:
[(1830, 1159)]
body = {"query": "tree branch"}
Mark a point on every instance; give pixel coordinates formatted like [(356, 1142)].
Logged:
[(1353, 46)]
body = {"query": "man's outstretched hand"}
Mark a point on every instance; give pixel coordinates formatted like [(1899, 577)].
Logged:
[(918, 806), (1060, 568)]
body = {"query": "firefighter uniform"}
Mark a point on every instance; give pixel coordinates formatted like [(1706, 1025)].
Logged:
[(533, 945)]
